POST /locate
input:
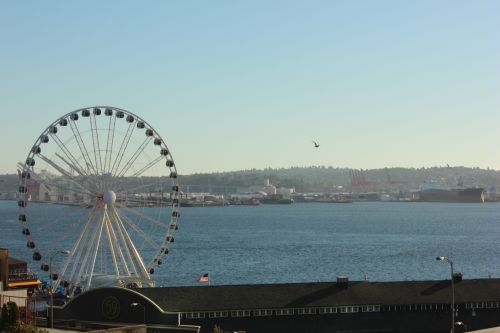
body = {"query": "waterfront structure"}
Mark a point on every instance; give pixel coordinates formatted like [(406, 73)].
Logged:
[(14, 273), (407, 306), (267, 189), (16, 283)]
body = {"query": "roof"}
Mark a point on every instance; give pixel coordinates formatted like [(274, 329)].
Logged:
[(14, 261), (321, 294)]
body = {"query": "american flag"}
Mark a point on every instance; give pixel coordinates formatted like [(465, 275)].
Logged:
[(203, 278)]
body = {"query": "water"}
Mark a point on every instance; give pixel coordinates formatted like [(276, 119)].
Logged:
[(386, 241)]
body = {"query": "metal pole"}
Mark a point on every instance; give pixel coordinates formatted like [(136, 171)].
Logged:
[(452, 299), (51, 294), (452, 292), (51, 286), (143, 310)]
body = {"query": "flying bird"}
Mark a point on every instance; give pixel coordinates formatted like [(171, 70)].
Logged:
[(316, 145)]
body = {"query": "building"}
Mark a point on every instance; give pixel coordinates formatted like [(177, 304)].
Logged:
[(14, 273), (408, 306), (15, 283), (266, 189)]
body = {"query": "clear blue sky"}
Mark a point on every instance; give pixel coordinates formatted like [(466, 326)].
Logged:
[(235, 85)]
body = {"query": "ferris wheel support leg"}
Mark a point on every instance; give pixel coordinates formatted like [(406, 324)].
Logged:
[(112, 248), (78, 248), (89, 281), (122, 245), (131, 246), (90, 249)]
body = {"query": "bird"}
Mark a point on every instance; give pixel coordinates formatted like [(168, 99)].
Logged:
[(316, 145)]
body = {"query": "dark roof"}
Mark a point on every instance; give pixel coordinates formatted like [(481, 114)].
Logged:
[(321, 294), (14, 261)]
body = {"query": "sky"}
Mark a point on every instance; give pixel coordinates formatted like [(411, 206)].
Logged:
[(234, 85)]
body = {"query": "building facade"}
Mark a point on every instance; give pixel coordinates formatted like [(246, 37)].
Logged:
[(409, 306)]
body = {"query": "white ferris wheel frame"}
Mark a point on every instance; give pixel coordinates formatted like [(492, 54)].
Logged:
[(94, 173)]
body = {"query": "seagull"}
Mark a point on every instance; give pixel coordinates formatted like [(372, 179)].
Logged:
[(316, 145)]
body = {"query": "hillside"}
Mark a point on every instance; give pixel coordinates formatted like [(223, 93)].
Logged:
[(320, 179)]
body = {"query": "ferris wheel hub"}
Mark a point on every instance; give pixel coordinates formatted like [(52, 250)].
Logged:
[(109, 197)]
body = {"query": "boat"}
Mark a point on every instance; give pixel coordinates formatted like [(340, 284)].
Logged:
[(276, 199), (433, 192), (245, 202), (452, 195)]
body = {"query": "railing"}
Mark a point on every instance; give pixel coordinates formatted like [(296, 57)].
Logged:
[(26, 306), (22, 277)]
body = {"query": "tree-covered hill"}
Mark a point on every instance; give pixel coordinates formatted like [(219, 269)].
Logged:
[(320, 179)]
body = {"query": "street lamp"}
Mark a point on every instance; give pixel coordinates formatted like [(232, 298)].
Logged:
[(143, 309), (452, 292), (459, 323), (51, 286)]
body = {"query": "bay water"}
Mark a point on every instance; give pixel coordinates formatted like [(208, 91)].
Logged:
[(377, 241)]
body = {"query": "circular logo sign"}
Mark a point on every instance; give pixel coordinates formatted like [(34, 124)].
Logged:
[(110, 307)]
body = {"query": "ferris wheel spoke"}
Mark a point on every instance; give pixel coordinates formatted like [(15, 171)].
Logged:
[(134, 157), (123, 190), (144, 236), (148, 166), (75, 164), (65, 173), (144, 203), (123, 148), (83, 148), (109, 144), (43, 181), (153, 221), (96, 144), (137, 258), (73, 167)]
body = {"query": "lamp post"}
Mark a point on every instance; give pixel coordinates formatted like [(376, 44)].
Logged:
[(143, 310), (459, 323), (452, 292), (51, 286)]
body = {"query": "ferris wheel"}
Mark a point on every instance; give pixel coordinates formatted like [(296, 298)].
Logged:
[(98, 200)]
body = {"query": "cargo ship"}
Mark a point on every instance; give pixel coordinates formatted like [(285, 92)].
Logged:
[(432, 193)]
